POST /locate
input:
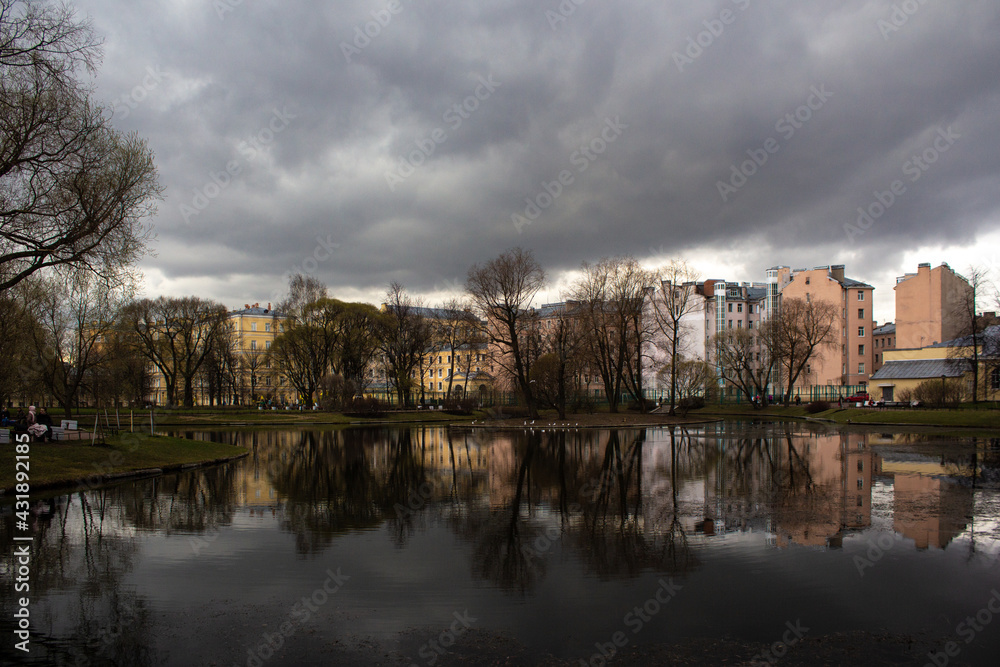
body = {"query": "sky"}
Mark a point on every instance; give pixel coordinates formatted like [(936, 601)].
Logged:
[(370, 141)]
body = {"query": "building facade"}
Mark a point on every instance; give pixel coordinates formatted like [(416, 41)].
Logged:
[(848, 361), (929, 306)]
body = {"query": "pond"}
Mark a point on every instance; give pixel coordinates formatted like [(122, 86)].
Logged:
[(430, 545)]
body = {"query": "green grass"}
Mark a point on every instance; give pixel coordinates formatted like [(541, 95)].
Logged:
[(986, 418), (240, 415), (68, 461)]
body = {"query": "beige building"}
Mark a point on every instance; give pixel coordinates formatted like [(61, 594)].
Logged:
[(929, 306), (848, 362)]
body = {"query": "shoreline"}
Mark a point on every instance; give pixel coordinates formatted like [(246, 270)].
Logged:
[(64, 464)]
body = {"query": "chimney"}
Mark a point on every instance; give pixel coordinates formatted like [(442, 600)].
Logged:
[(246, 306), (924, 265), (837, 272), (269, 305)]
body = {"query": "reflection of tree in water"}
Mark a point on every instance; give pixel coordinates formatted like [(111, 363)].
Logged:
[(592, 482), (339, 481), (82, 551)]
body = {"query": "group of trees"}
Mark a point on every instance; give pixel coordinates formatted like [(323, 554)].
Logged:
[(778, 352), (617, 313), (75, 199)]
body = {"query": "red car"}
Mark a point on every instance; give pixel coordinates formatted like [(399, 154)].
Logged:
[(860, 397)]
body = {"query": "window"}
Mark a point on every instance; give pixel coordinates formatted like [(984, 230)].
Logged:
[(861, 367), (267, 345), (253, 345), (861, 331), (730, 308), (739, 324), (449, 358), (861, 349), (808, 298), (730, 324), (253, 326), (267, 326), (861, 465), (861, 313), (995, 379), (739, 308), (750, 324), (861, 482), (439, 386), (861, 295), (807, 280), (439, 359)]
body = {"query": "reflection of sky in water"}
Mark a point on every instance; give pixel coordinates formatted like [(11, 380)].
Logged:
[(755, 533)]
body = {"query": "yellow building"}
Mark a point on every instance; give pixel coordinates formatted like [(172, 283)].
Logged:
[(252, 375), (904, 370)]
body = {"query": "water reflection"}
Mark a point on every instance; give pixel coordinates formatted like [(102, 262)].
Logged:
[(520, 507)]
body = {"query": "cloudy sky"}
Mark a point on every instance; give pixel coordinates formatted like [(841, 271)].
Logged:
[(366, 141)]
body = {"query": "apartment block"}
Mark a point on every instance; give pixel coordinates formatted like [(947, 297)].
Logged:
[(848, 361), (929, 306)]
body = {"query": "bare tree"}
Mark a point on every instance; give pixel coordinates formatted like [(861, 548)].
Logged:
[(561, 341), (673, 302), (689, 377), (177, 334), (456, 328), (971, 325), (612, 295), (360, 327), (502, 290), (16, 323), (801, 331), (407, 336), (73, 191), (252, 363), (747, 359), (305, 350), (76, 311)]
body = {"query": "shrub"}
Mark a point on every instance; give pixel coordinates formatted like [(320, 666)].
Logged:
[(817, 406), (691, 403), (366, 407), (460, 406)]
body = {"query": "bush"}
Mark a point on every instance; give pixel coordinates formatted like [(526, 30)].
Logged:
[(691, 403), (460, 406), (366, 407), (817, 406)]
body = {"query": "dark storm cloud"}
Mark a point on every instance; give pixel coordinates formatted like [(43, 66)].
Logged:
[(281, 128)]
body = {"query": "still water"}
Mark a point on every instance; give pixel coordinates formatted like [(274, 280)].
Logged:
[(417, 545)]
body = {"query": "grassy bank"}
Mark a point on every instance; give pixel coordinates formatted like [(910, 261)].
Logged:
[(243, 416), (961, 417), (53, 464)]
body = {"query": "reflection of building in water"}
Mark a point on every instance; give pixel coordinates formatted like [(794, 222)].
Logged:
[(929, 509), (802, 488)]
